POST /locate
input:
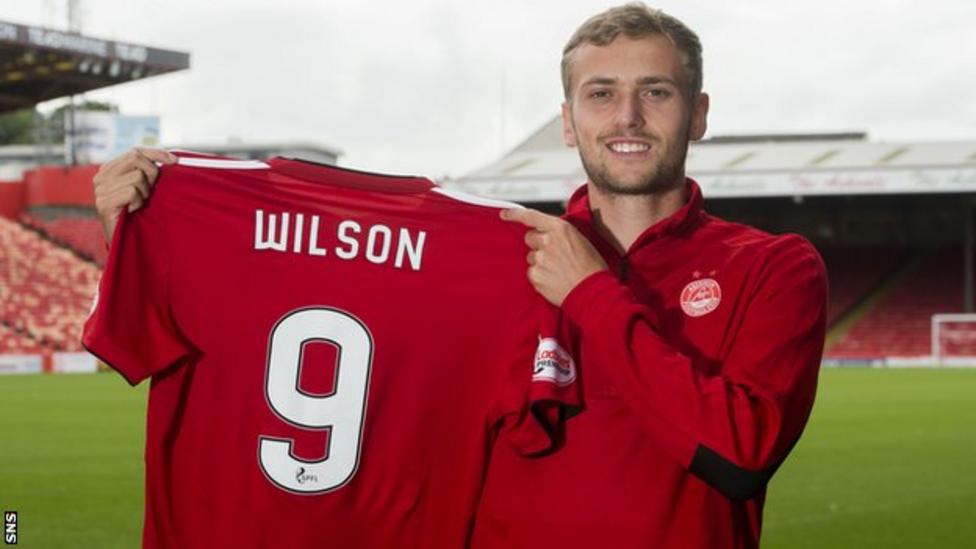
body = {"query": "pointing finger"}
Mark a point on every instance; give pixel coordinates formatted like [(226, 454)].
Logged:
[(530, 218)]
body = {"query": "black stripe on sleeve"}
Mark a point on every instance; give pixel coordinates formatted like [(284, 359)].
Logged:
[(736, 483)]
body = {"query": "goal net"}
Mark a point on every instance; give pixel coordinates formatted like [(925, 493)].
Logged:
[(954, 339)]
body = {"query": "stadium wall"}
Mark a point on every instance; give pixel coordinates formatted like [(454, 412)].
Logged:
[(48, 363), (60, 186), (12, 198)]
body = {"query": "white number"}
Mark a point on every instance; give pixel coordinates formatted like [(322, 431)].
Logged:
[(342, 411)]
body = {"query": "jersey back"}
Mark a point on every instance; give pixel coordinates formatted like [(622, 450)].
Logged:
[(332, 354)]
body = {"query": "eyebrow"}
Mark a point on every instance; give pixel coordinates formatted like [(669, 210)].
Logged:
[(643, 81)]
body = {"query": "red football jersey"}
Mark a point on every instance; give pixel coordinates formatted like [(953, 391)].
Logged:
[(332, 354)]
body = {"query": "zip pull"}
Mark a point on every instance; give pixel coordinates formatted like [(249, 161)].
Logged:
[(624, 269)]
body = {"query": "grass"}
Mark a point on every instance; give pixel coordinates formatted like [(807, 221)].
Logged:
[(71, 459), (888, 460)]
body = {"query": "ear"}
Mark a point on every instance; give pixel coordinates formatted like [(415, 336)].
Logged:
[(569, 135), (699, 117)]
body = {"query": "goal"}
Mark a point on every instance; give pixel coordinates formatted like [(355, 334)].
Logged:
[(954, 339)]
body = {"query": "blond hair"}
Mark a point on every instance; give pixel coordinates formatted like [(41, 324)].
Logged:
[(636, 20)]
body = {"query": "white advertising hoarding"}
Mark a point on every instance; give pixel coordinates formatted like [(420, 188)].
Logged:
[(74, 363), (21, 364), (749, 184), (99, 136)]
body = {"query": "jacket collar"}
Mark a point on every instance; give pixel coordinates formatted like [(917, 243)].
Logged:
[(680, 222)]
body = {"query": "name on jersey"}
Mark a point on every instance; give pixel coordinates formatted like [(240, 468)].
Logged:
[(347, 240)]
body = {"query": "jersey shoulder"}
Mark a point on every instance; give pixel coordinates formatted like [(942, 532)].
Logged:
[(772, 249)]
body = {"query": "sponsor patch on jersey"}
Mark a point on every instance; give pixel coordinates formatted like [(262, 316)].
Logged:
[(553, 363), (701, 297)]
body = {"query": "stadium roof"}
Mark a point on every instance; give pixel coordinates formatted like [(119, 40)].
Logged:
[(16, 159), (38, 64), (543, 169)]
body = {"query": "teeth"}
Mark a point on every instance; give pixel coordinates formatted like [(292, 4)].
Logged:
[(628, 147)]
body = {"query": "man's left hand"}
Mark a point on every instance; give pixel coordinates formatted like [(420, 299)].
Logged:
[(559, 256)]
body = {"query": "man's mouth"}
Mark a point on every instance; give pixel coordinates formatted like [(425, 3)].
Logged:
[(628, 147)]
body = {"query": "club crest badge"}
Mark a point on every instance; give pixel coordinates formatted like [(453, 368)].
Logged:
[(701, 297)]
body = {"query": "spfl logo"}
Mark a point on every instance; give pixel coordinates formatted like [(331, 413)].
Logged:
[(553, 363), (302, 477), (10, 527)]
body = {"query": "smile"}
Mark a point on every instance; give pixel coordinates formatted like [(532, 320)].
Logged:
[(628, 147)]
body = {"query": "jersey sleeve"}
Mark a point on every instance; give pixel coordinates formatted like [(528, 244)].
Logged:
[(730, 425), (131, 326), (541, 389)]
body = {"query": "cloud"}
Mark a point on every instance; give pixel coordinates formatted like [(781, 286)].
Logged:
[(435, 87)]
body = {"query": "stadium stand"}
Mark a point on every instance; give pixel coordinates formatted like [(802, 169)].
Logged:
[(855, 271), (45, 291), (899, 325), (81, 234), (12, 341)]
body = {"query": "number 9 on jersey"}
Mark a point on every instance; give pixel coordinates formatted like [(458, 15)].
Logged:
[(342, 411)]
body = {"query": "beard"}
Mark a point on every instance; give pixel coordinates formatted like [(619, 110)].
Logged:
[(665, 173)]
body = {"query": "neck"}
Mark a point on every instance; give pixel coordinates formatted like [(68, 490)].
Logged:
[(621, 218)]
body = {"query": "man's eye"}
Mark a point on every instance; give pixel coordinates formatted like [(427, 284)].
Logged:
[(658, 92), (599, 94)]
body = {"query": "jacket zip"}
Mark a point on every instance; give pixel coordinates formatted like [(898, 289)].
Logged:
[(624, 270)]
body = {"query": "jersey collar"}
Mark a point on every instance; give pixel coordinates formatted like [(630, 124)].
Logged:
[(345, 177), (680, 222)]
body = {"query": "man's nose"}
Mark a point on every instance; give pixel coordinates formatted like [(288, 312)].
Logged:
[(630, 114)]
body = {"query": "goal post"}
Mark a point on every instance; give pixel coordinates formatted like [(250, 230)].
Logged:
[(954, 339)]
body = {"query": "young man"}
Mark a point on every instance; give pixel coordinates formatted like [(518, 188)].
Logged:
[(700, 340)]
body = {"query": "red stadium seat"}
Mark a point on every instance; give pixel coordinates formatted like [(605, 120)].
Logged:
[(900, 325), (854, 272), (45, 292), (81, 234)]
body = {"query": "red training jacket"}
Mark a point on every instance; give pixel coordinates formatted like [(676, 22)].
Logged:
[(700, 349)]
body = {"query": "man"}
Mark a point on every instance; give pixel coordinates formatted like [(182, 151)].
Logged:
[(700, 340)]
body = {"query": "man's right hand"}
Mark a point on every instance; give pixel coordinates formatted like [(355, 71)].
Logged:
[(126, 181)]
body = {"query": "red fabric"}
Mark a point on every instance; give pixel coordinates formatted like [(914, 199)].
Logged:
[(659, 382), (187, 299)]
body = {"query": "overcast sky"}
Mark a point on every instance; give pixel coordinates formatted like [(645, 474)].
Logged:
[(439, 87)]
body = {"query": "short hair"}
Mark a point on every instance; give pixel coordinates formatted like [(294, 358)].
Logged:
[(636, 20)]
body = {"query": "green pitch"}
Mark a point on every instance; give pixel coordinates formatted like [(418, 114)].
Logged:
[(71, 459), (889, 460)]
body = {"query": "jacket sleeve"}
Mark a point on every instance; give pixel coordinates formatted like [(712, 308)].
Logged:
[(733, 423), (539, 387)]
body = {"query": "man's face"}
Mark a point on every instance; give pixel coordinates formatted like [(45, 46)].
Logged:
[(628, 115)]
